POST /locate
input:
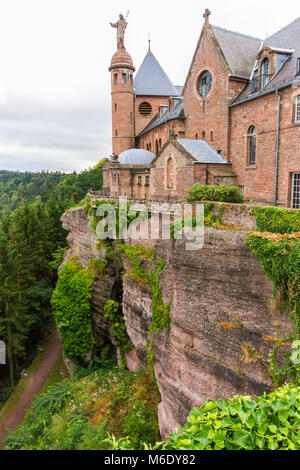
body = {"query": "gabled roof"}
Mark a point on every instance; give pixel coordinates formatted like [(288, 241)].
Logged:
[(176, 113), (288, 39), (201, 151), (239, 50), (151, 79)]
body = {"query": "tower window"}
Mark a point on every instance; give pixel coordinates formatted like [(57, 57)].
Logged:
[(116, 78), (116, 107), (160, 144), (116, 133), (203, 135), (297, 109), (251, 145), (145, 109), (196, 136), (124, 78), (211, 136)]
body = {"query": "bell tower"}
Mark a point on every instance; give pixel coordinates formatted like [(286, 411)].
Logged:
[(122, 93)]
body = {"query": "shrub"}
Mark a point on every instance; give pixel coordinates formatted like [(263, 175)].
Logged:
[(72, 310), (269, 422), (219, 193), (274, 220)]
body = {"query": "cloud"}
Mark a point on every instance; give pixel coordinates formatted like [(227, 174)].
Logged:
[(35, 137)]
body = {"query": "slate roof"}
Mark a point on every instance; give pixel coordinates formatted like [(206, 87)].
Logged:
[(176, 113), (240, 50), (151, 79), (287, 38), (201, 151), (136, 157)]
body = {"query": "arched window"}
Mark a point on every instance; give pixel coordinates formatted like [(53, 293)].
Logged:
[(203, 135), (251, 145), (264, 72), (297, 109), (211, 136), (170, 173), (156, 146), (160, 144), (196, 136)]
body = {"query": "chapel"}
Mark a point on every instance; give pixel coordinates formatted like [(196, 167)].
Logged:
[(235, 120)]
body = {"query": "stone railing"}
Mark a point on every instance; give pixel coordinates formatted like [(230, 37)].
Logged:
[(231, 215)]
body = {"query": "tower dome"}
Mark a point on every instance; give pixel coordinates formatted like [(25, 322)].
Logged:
[(121, 59), (136, 157)]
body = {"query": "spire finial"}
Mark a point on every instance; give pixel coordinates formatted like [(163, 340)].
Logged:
[(149, 43), (206, 16)]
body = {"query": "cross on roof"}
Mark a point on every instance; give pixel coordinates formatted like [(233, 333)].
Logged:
[(206, 15)]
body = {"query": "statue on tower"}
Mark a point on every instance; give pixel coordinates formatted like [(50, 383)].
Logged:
[(121, 26)]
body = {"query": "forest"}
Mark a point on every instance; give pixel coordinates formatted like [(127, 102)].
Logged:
[(32, 243)]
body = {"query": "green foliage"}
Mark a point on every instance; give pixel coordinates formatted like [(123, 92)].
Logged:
[(18, 189), (32, 243), (290, 369), (219, 193), (274, 220), (149, 274), (280, 260), (113, 312), (75, 186), (269, 422), (72, 310), (84, 413)]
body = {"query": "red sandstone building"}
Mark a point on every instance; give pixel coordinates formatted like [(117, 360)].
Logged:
[(236, 120)]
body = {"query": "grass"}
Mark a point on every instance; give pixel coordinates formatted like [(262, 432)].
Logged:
[(83, 412)]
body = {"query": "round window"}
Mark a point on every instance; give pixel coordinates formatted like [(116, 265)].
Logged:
[(145, 108), (204, 83)]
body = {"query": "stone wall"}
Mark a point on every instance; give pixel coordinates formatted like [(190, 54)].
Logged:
[(223, 318)]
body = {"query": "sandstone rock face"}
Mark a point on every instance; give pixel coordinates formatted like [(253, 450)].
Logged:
[(84, 246), (223, 318)]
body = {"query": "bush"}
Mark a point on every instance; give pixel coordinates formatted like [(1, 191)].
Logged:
[(274, 220), (72, 310), (220, 193), (270, 422)]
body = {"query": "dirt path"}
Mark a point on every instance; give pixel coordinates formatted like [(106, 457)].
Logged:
[(33, 387)]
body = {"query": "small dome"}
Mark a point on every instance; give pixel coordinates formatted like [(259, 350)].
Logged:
[(121, 59), (136, 157)]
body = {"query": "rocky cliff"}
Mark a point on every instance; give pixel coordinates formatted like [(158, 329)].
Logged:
[(224, 323)]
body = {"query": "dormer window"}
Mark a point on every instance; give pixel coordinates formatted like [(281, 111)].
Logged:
[(264, 72), (254, 82)]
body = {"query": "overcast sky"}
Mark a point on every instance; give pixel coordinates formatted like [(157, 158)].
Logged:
[(54, 79)]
